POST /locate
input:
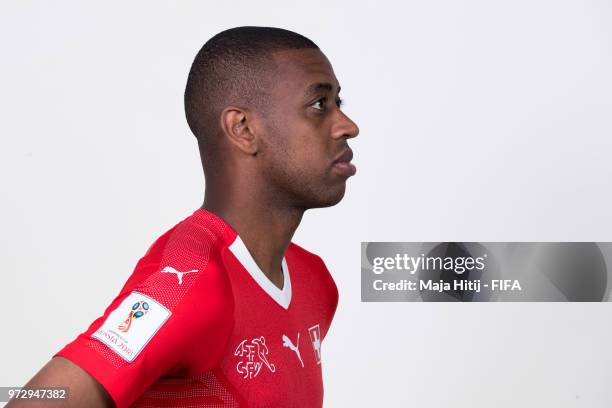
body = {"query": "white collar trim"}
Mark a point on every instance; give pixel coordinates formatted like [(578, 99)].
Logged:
[(282, 297)]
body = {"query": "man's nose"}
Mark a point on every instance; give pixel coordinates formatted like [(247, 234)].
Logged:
[(344, 127)]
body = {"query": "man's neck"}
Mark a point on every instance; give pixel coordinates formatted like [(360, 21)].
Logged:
[(265, 231)]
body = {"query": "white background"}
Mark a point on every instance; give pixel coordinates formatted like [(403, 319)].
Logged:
[(480, 121)]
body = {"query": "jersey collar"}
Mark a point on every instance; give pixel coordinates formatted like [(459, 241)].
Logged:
[(241, 252), (280, 296)]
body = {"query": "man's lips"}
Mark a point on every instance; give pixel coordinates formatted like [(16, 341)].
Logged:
[(345, 156), (343, 163)]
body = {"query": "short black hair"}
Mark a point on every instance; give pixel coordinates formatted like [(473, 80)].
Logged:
[(229, 69)]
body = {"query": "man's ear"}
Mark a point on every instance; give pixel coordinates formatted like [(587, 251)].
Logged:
[(236, 127)]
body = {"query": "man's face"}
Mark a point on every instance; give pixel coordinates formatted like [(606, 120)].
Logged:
[(306, 132)]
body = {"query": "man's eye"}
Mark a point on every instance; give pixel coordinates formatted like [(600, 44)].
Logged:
[(319, 104)]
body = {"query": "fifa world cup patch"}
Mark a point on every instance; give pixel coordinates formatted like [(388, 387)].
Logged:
[(129, 327)]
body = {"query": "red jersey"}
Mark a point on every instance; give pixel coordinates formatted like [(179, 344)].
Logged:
[(198, 324)]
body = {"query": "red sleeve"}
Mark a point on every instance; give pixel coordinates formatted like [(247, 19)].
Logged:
[(154, 327)]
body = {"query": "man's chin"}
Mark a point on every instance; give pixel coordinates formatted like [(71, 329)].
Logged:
[(328, 200)]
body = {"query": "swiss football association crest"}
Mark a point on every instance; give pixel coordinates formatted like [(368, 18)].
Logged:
[(315, 339), (138, 310), (254, 355)]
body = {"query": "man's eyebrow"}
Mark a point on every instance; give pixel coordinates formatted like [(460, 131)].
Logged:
[(319, 87)]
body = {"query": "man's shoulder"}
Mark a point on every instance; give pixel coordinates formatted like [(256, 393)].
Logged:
[(183, 260), (305, 255), (194, 237), (175, 304)]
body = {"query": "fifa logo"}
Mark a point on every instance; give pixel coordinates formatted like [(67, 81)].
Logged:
[(138, 310)]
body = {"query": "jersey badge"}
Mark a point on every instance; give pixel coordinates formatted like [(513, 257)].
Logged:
[(138, 310), (315, 339), (129, 327), (254, 355)]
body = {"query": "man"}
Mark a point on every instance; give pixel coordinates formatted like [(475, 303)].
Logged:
[(224, 310)]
